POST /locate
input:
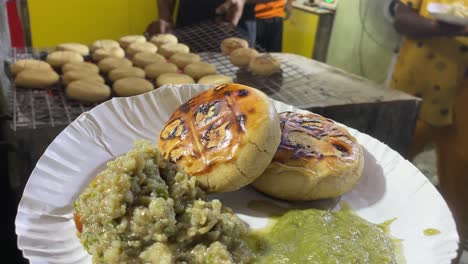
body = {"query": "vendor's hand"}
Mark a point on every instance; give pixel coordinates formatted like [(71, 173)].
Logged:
[(451, 30), (288, 9), (157, 27), (231, 10)]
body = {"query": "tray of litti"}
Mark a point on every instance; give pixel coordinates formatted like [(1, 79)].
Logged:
[(224, 174), (129, 66)]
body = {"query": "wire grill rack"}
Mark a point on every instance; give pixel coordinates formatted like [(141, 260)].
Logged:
[(35, 109)]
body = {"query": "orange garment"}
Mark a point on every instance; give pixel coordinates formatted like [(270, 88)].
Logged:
[(270, 9)]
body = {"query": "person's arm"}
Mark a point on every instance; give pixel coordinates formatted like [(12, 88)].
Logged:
[(409, 23), (232, 9), (164, 24)]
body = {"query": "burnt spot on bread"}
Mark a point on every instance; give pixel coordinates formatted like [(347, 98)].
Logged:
[(228, 93), (185, 107), (242, 93), (206, 112), (215, 137), (174, 129)]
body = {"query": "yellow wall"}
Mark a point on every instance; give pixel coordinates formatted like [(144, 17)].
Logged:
[(299, 33), (57, 21)]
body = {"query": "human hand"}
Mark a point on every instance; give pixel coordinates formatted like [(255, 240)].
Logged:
[(157, 27), (451, 30), (231, 10), (288, 9)]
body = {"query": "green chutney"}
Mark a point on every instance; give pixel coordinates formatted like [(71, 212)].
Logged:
[(322, 237)]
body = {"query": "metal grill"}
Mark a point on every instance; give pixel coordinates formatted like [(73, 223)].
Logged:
[(34, 109)]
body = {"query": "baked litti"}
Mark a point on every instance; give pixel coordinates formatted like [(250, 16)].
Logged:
[(21, 65), (264, 65), (143, 59), (116, 52), (36, 78), (125, 41), (60, 58), (231, 44), (162, 39), (169, 49), (125, 72), (80, 74), (155, 69), (104, 44), (199, 69), (136, 47), (76, 47), (110, 63), (174, 78), (132, 86), (184, 59), (317, 159), (87, 66), (88, 91), (225, 136), (241, 57), (216, 79)]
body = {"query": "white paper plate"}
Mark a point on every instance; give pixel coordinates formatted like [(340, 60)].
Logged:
[(438, 11), (390, 186)]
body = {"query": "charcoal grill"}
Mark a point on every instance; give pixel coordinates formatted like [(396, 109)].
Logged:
[(38, 116)]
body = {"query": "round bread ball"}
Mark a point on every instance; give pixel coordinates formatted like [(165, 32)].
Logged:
[(59, 58), (174, 78), (104, 44), (241, 57), (184, 59), (264, 65), (36, 78), (110, 63), (317, 159), (88, 91), (76, 47), (80, 66), (100, 54), (167, 50), (230, 44), (199, 69), (162, 39), (125, 72), (216, 79), (21, 65), (155, 69), (125, 41), (132, 86), (143, 59), (136, 47), (231, 132), (74, 75)]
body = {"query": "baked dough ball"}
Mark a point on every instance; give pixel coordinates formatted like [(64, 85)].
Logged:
[(167, 50), (199, 69), (88, 91), (155, 69), (230, 44), (225, 137), (136, 47), (174, 78), (80, 66), (184, 59), (104, 44), (110, 63), (59, 58), (143, 59), (242, 56), (76, 47), (317, 159), (216, 79), (36, 78), (124, 72), (100, 54), (75, 75), (132, 86), (22, 65), (162, 39), (264, 65), (127, 40)]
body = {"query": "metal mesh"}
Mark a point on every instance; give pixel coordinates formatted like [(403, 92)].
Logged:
[(33, 109)]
